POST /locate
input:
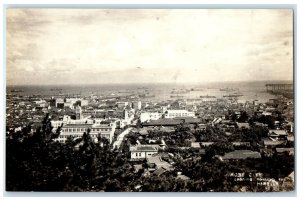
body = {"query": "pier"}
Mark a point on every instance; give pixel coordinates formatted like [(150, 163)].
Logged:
[(279, 87)]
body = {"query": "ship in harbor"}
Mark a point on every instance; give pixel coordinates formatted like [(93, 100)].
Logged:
[(207, 96), (176, 96), (227, 89), (16, 90), (232, 95), (55, 89)]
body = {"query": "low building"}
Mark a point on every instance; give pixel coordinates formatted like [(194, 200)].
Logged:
[(163, 122), (69, 105), (195, 145), (143, 151), (182, 177), (173, 122), (202, 127), (238, 144), (206, 144), (290, 151), (243, 125), (190, 120), (278, 134), (272, 143)]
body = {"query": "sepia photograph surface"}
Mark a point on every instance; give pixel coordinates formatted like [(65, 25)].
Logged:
[(149, 100)]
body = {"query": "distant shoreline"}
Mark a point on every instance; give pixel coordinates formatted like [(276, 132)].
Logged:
[(153, 83)]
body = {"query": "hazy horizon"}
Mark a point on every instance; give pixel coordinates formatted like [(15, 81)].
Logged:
[(98, 46), (159, 83)]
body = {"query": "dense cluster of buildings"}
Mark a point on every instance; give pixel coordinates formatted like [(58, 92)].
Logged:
[(156, 124)]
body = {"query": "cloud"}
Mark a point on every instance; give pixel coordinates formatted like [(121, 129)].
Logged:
[(107, 45)]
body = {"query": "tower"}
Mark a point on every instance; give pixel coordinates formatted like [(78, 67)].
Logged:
[(78, 112), (125, 114)]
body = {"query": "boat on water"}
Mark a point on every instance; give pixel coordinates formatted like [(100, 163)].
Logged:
[(176, 96), (226, 89), (207, 96), (55, 89), (232, 95), (149, 96), (146, 95), (17, 90), (196, 89)]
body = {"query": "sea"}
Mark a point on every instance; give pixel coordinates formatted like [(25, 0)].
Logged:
[(246, 91)]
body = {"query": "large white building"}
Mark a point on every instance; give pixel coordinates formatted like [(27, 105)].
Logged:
[(74, 130), (178, 113), (147, 116), (104, 129), (84, 103), (76, 127)]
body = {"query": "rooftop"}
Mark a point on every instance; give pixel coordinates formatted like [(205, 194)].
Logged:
[(289, 150), (243, 125), (189, 120), (144, 148), (163, 122), (182, 177), (177, 111), (77, 126), (241, 154), (101, 125), (277, 132), (172, 122), (158, 162), (195, 144), (159, 171), (272, 143)]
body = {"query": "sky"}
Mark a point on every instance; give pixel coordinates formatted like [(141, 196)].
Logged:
[(103, 46)]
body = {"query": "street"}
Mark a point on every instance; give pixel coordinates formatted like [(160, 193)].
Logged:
[(120, 138)]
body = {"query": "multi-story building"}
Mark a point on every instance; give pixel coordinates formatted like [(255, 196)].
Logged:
[(69, 105), (84, 103), (67, 120), (137, 105), (178, 113), (122, 105), (78, 112), (56, 124), (147, 116), (74, 130), (104, 129), (52, 102), (60, 102)]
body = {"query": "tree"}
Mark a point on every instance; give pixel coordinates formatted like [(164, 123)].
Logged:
[(244, 117)]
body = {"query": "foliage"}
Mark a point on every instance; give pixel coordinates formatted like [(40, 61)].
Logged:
[(36, 162)]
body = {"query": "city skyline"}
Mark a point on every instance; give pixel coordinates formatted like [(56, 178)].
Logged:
[(97, 46)]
